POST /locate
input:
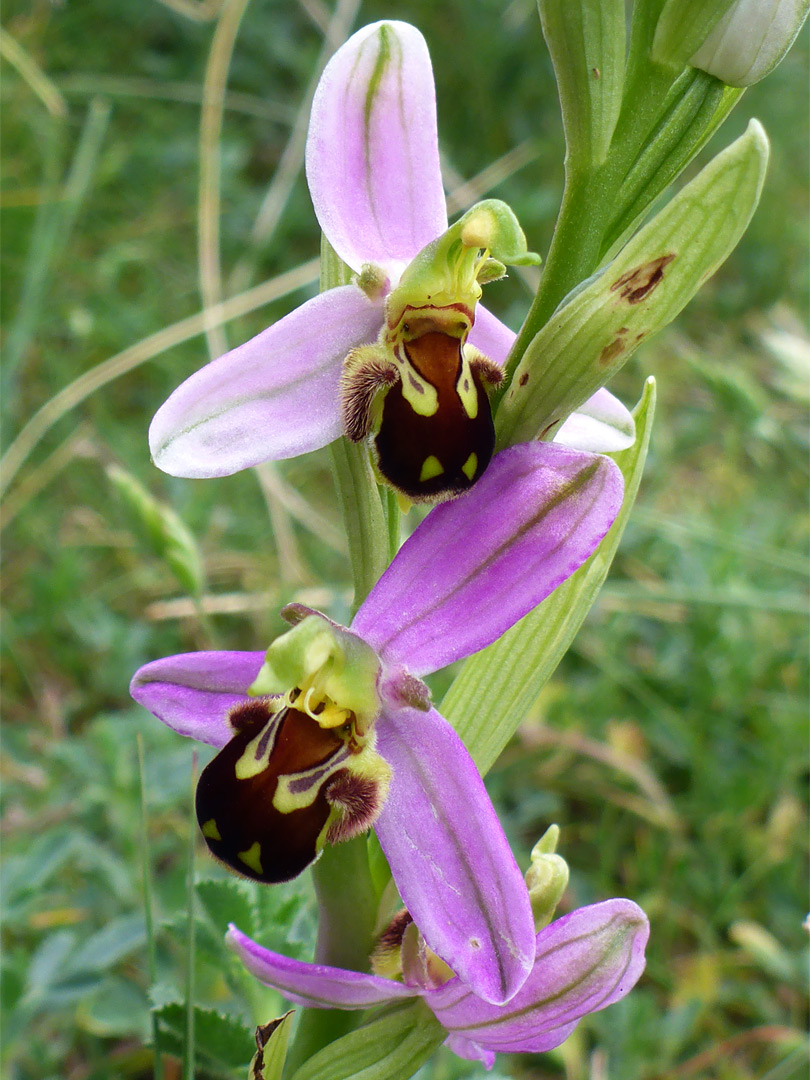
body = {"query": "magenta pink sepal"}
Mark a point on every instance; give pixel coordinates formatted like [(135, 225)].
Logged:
[(584, 962), (479, 563)]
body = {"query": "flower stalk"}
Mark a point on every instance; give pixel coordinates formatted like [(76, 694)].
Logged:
[(347, 901)]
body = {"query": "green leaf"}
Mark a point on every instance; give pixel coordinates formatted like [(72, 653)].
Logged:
[(118, 1007), (586, 39), (48, 962), (694, 109), (592, 334), (271, 1040), (228, 901), (496, 687), (683, 26), (391, 1047), (109, 945), (29, 872), (222, 1041)]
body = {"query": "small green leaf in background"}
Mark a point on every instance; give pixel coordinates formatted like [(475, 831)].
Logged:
[(161, 529), (592, 335), (112, 943), (390, 1047), (117, 1007), (227, 900), (586, 39), (221, 1041)]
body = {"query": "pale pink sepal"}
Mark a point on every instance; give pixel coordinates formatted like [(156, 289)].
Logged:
[(491, 336), (585, 961), (274, 397), (192, 693), (372, 154), (316, 985)]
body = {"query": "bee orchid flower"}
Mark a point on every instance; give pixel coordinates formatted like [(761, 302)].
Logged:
[(405, 356), (331, 731), (584, 962)]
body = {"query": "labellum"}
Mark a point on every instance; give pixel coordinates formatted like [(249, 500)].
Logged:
[(421, 392), (434, 433), (284, 786)]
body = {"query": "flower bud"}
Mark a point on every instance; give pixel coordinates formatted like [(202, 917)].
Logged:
[(750, 40), (546, 878)]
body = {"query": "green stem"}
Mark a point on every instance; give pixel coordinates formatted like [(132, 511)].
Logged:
[(574, 252), (347, 899), (392, 509), (365, 518), (188, 1044), (151, 952), (347, 910), (659, 111)]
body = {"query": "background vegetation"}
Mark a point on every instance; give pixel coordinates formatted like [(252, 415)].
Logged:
[(671, 746)]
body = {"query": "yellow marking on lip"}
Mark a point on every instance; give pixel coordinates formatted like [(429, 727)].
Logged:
[(466, 390), (418, 392), (210, 830), (431, 467), (470, 465), (252, 857)]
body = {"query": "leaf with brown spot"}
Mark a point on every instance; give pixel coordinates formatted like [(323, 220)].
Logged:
[(592, 334)]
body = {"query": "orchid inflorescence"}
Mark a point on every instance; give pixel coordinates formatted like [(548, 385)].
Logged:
[(331, 731)]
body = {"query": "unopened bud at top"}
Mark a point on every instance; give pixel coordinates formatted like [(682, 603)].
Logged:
[(737, 41)]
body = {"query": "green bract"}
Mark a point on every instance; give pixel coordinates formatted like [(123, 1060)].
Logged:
[(599, 326), (495, 687), (391, 1047)]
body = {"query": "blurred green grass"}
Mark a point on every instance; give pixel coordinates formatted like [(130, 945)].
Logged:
[(672, 744)]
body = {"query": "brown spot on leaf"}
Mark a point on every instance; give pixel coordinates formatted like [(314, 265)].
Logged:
[(595, 72), (524, 378), (611, 351), (637, 284)]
